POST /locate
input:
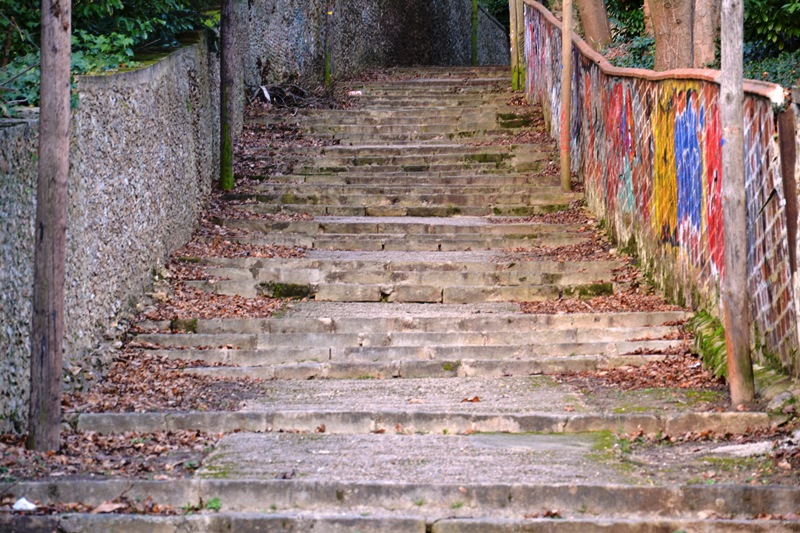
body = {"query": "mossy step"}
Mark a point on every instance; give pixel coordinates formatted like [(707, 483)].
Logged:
[(411, 211), (394, 277), (471, 226), (455, 200), (382, 318), (419, 243)]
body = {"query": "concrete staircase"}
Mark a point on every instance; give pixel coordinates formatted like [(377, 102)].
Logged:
[(408, 392)]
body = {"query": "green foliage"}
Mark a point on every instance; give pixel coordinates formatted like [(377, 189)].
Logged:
[(106, 36), (776, 23), (626, 18), (783, 68), (638, 52)]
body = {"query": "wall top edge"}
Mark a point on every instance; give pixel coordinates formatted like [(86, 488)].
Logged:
[(142, 75), (771, 91)]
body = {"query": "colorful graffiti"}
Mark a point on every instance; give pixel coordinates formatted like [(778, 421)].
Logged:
[(649, 151)]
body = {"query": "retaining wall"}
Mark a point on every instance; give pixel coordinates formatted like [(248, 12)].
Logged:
[(144, 153), (648, 147), (288, 37)]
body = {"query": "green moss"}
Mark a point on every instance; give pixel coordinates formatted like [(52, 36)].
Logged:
[(631, 249), (189, 259), (185, 326), (709, 342), (288, 198), (451, 366), (286, 290), (487, 158), (590, 291), (553, 208), (522, 236), (452, 211)]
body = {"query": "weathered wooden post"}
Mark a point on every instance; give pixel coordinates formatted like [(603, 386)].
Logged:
[(566, 95), (227, 108), (734, 208), (515, 55), (47, 329)]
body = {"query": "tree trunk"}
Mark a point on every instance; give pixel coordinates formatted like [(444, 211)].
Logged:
[(734, 209), (672, 22), (648, 20), (594, 20), (227, 107), (47, 329), (706, 31)]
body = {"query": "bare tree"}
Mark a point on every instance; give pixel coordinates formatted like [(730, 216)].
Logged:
[(566, 96), (705, 31), (47, 331), (672, 23), (594, 19), (686, 32), (227, 71)]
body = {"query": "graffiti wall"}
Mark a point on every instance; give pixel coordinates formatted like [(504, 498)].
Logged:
[(648, 147)]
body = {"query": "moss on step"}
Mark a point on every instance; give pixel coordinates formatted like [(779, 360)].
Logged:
[(183, 325), (286, 290), (709, 342), (590, 290)]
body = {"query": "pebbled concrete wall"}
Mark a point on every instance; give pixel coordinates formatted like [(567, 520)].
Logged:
[(18, 146), (648, 146), (145, 150), (288, 37)]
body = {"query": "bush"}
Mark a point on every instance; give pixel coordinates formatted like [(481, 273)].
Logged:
[(106, 36), (775, 23)]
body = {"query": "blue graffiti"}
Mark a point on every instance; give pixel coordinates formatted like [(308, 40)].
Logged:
[(689, 162)]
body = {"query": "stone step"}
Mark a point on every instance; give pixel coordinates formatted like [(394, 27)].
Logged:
[(407, 127), (412, 293), (476, 261), (396, 345), (313, 317), (375, 522), (300, 505), (422, 210), (456, 150), (416, 242), (416, 226), (420, 198), (449, 112), (456, 135), (412, 363), (311, 189), (442, 179), (353, 423), (475, 118), (399, 278)]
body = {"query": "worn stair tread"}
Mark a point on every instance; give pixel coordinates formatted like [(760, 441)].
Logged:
[(353, 422)]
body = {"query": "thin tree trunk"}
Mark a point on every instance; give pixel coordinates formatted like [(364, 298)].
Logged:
[(227, 108), (566, 95), (594, 20), (47, 331), (706, 31), (734, 209), (672, 23)]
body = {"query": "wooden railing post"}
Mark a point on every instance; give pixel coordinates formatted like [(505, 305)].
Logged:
[(566, 95)]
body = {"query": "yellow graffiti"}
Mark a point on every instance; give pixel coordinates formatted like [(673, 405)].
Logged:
[(664, 207)]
